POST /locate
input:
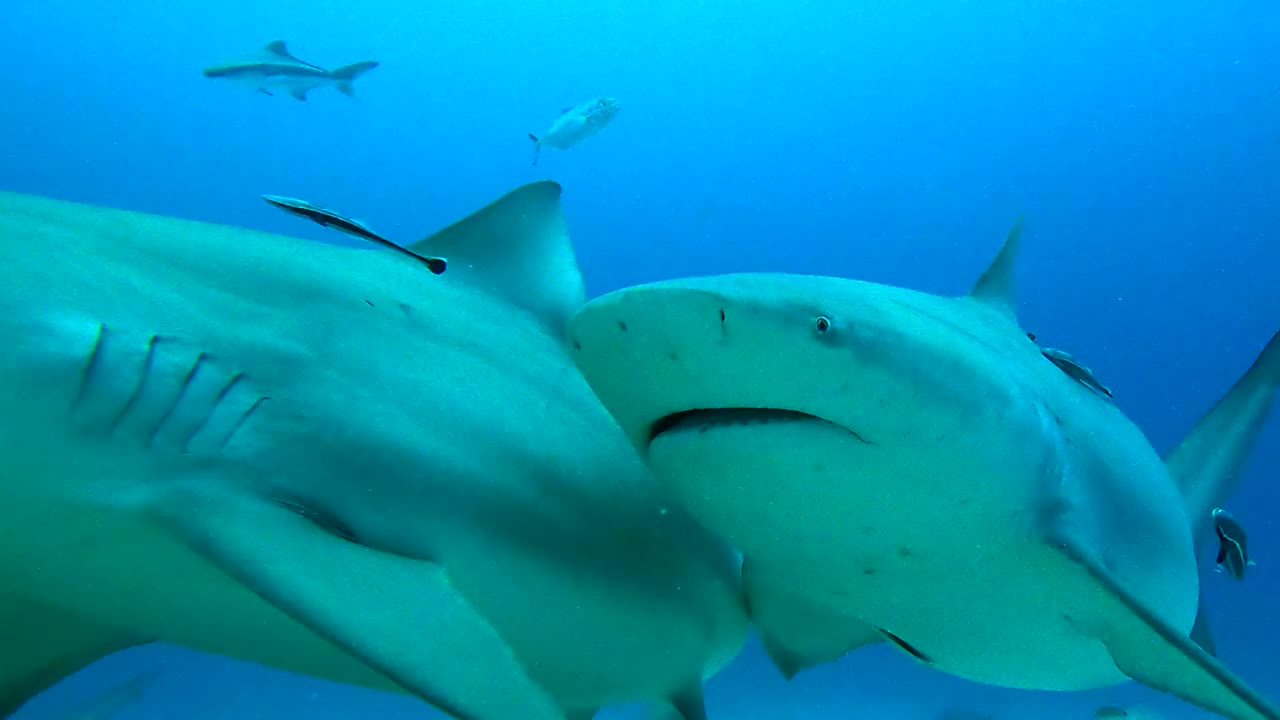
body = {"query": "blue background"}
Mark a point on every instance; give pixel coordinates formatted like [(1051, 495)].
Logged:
[(894, 142)]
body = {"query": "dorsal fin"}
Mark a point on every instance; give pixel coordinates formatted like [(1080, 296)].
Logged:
[(277, 47), (518, 249), (1209, 459), (996, 287)]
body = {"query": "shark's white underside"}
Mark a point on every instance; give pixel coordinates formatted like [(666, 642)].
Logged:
[(330, 461)]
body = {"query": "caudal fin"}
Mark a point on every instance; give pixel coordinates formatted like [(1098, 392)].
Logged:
[(347, 74), (536, 147)]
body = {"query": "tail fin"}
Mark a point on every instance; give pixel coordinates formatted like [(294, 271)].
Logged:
[(1206, 463), (536, 147), (347, 74)]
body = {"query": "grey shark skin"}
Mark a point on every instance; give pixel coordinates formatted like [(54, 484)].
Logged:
[(329, 460), (905, 467), (273, 67)]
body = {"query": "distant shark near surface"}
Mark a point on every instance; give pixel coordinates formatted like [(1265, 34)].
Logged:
[(333, 461), (902, 467), (274, 68)]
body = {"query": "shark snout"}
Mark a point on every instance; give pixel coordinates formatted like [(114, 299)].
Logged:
[(654, 352), (663, 321), (637, 347), (783, 345)]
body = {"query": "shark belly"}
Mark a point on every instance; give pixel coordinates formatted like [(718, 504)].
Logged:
[(287, 83), (942, 549), (602, 586), (666, 620)]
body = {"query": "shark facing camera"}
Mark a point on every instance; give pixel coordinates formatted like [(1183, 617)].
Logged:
[(902, 467)]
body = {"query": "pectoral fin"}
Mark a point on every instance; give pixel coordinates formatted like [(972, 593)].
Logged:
[(685, 705), (399, 615), (1201, 633), (1148, 649), (798, 634), (42, 645), (689, 703)]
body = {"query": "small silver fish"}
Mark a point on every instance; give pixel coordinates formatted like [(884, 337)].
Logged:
[(576, 124), (330, 219), (1233, 544), (273, 67)]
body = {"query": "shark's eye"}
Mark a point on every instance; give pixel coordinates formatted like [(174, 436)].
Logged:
[(822, 324)]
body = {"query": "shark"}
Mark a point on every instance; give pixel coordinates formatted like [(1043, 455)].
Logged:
[(332, 461), (273, 67), (902, 467)]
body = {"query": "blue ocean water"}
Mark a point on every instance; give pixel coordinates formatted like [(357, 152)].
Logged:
[(894, 142)]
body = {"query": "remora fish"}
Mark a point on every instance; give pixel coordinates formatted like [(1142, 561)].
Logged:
[(1233, 544), (274, 68), (1076, 370), (355, 228), (324, 459), (897, 466), (576, 124)]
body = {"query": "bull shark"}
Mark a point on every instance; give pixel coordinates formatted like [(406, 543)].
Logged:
[(273, 67), (897, 466), (332, 461)]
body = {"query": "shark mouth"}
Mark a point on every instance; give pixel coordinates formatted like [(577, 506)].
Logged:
[(702, 420)]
